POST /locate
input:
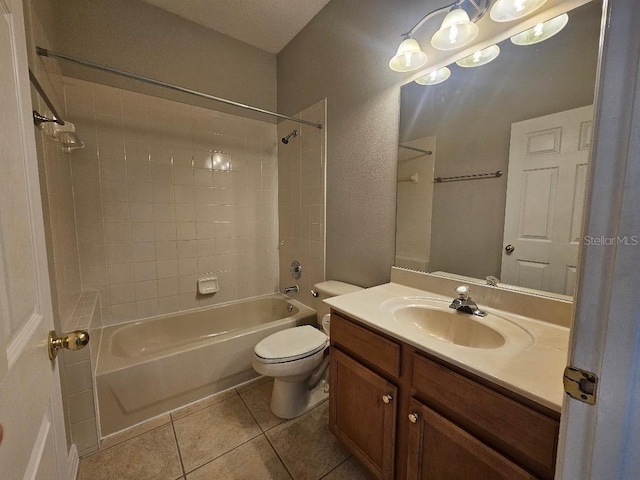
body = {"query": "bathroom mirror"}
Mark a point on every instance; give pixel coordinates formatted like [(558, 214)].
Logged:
[(518, 131)]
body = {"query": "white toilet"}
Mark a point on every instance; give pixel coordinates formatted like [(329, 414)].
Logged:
[(297, 358)]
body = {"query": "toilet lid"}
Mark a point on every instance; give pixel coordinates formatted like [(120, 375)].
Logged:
[(291, 344)]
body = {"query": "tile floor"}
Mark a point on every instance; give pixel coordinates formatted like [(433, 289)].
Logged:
[(232, 435)]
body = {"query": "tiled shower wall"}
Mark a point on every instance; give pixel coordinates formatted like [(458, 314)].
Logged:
[(414, 204), (301, 200), (165, 192)]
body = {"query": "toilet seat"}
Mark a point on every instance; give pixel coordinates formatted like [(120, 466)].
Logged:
[(291, 344)]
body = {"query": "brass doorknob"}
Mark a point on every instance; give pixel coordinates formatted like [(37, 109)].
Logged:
[(387, 398), (72, 341), (413, 417), (509, 248)]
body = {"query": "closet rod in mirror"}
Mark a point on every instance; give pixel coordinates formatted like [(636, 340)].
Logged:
[(61, 56)]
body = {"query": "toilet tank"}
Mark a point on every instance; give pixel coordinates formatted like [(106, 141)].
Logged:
[(328, 289)]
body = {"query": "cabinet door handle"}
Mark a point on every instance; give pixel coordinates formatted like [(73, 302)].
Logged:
[(387, 398), (413, 417)]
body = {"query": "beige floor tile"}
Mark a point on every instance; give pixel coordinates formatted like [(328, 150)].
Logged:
[(204, 403), (147, 426), (213, 431), (306, 446), (257, 400), (150, 456), (351, 469), (253, 383), (253, 460)]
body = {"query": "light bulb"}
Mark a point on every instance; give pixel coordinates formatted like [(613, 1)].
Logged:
[(542, 31), (456, 31), (435, 77), (509, 10), (409, 57), (480, 57)]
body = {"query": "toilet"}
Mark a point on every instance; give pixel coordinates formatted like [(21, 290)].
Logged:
[(297, 358)]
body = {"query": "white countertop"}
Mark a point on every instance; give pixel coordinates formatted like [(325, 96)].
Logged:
[(533, 371)]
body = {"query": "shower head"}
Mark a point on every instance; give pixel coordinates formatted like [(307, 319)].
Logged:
[(285, 140)]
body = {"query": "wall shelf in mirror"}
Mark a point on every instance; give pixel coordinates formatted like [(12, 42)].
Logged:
[(474, 176)]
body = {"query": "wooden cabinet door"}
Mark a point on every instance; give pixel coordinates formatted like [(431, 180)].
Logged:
[(359, 415), (440, 450)]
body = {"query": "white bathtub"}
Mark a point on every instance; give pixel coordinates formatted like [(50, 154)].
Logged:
[(155, 365)]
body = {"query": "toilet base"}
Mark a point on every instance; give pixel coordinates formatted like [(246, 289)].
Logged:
[(291, 399)]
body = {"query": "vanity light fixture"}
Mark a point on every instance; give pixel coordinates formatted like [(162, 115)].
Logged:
[(480, 57), (409, 56), (435, 77), (509, 10), (541, 31), (458, 29)]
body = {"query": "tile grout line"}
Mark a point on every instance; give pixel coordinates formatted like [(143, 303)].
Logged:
[(223, 454), (279, 457), (336, 467), (237, 446), (264, 434), (175, 436), (251, 413), (100, 449)]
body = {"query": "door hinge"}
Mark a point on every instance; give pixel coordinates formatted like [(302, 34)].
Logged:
[(580, 384)]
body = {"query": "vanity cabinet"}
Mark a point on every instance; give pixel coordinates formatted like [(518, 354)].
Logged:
[(406, 414), (363, 406)]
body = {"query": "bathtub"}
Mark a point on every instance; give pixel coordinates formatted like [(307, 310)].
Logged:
[(152, 366)]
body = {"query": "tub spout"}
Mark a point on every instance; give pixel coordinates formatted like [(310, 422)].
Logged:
[(294, 289)]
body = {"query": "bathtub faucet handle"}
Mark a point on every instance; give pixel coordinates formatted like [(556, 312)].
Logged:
[(294, 289)]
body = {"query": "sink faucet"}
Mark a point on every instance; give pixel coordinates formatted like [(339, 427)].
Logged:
[(294, 289), (464, 303)]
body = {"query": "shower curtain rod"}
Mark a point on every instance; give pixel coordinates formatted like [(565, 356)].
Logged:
[(47, 53)]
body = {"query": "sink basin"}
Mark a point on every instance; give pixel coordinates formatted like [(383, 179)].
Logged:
[(434, 318), (457, 328)]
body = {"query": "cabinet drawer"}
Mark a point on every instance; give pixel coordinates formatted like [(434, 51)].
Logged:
[(525, 435), (371, 347)]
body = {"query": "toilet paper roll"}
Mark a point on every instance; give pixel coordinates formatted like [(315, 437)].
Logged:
[(326, 319)]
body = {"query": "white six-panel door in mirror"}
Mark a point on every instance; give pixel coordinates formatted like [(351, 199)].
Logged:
[(545, 196)]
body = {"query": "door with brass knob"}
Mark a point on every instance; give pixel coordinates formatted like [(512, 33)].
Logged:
[(71, 341), (31, 412)]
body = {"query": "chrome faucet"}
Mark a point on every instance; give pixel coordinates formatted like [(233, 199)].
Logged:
[(464, 303), (294, 289)]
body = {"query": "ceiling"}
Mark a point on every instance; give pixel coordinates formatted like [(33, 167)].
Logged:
[(265, 24)]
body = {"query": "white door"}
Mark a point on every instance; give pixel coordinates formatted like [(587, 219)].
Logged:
[(33, 444), (545, 200)]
